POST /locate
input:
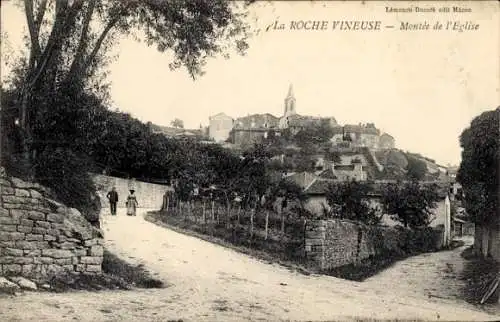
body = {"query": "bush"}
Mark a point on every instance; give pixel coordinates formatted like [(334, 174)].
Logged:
[(67, 175)]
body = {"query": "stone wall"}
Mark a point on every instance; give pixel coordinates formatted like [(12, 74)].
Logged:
[(334, 243), (149, 195), (40, 237)]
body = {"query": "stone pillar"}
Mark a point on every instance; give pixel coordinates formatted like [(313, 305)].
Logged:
[(315, 234)]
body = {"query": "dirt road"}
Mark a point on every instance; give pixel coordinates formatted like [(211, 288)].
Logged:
[(212, 283)]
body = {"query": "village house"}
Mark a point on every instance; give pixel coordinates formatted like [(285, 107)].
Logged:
[(253, 128), (220, 125)]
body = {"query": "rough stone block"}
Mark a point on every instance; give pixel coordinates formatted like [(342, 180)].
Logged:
[(31, 269), (24, 283), (49, 238), (4, 212), (63, 261), (62, 210), (23, 260), (11, 236), (75, 260), (4, 182), (36, 215), (7, 243), (18, 214), (96, 250), (36, 194), (53, 232), (18, 183), (57, 253), (90, 242), (8, 285), (14, 199), (22, 193), (93, 268), (7, 259), (8, 191), (91, 260), (66, 245), (33, 237), (12, 269), (79, 267), (80, 252), (57, 226), (32, 252), (26, 222), (42, 224), (24, 229), (30, 245), (54, 269), (8, 221), (40, 230), (68, 267), (9, 205), (13, 252), (8, 228), (43, 260), (57, 218)]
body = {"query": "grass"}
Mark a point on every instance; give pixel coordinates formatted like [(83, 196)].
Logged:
[(133, 275), (478, 274), (365, 268), (117, 275)]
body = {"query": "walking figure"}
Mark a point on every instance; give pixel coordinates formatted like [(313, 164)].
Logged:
[(131, 204), (113, 199)]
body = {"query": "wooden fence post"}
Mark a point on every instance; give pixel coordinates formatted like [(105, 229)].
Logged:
[(251, 222), (267, 224), (204, 217)]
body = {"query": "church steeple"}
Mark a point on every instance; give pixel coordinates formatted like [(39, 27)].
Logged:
[(290, 102), (290, 91)]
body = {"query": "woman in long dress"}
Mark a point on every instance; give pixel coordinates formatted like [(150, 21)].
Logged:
[(132, 204)]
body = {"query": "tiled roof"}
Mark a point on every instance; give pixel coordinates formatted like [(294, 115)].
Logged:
[(328, 174), (257, 120), (318, 187), (344, 167)]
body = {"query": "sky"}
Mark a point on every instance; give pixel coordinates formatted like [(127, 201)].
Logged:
[(422, 87)]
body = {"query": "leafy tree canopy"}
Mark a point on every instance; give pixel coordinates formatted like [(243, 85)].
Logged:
[(350, 200), (478, 172), (410, 203)]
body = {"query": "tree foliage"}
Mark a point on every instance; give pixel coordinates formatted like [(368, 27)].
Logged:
[(410, 203), (177, 123), (416, 168), (68, 44), (350, 200), (478, 172)]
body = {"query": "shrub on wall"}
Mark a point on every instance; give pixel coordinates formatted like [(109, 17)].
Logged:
[(66, 174)]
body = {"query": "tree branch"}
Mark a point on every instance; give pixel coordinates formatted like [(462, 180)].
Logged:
[(35, 44), (82, 45), (61, 24), (99, 42), (40, 14)]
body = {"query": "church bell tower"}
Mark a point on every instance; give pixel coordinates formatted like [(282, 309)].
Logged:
[(290, 102)]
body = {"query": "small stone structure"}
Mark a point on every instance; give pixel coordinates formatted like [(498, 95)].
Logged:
[(334, 243), (40, 237)]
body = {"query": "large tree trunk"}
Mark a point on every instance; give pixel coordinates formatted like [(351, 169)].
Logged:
[(478, 238)]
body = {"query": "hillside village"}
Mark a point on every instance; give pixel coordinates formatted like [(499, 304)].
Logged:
[(351, 151)]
